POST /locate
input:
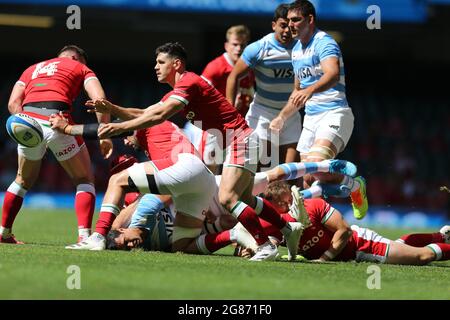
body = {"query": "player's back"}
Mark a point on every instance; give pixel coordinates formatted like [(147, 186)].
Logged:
[(164, 141), (58, 79)]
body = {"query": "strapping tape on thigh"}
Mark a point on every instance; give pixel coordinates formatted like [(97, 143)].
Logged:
[(323, 151), (185, 233)]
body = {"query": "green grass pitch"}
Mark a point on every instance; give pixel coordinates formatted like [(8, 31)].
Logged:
[(39, 270)]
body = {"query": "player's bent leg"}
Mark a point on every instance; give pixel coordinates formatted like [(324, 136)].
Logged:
[(27, 174), (135, 178), (185, 231)]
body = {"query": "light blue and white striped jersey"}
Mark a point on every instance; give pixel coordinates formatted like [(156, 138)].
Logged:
[(307, 69), (272, 65), (158, 220)]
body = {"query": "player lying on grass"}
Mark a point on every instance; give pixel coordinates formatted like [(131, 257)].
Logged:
[(328, 236)]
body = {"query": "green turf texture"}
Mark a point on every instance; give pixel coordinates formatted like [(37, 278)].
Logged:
[(38, 270)]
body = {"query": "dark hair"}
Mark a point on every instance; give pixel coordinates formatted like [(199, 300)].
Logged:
[(305, 7), (77, 49), (281, 12), (173, 49)]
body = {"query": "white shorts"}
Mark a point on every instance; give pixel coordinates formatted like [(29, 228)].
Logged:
[(243, 151), (259, 117), (63, 146), (205, 143), (370, 246), (335, 125), (189, 181)]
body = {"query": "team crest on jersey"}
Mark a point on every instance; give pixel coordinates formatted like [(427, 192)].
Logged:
[(49, 69), (190, 115)]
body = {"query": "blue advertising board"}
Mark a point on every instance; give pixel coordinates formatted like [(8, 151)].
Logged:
[(390, 10)]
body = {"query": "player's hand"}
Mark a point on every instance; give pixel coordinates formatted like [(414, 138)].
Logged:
[(320, 260), (106, 148), (110, 129), (99, 105), (132, 141), (58, 122), (277, 124), (299, 97)]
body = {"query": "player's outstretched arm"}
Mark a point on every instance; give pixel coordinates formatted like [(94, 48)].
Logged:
[(106, 107), (152, 116)]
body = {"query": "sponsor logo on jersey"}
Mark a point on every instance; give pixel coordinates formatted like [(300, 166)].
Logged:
[(49, 69), (283, 73), (305, 73)]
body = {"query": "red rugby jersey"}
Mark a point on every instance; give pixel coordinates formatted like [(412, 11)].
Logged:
[(58, 79), (217, 72), (163, 143), (203, 102)]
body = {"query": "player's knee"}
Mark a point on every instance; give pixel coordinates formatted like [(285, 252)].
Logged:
[(26, 180), (227, 200), (119, 179), (426, 256)]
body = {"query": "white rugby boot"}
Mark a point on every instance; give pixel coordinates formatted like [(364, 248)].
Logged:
[(266, 251), (94, 242), (445, 231)]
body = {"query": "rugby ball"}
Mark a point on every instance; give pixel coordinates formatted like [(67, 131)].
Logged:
[(24, 130)]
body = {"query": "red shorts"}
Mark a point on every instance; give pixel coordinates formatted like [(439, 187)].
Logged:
[(370, 246)]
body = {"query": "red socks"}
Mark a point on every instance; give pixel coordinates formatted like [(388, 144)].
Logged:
[(247, 216), (12, 203), (422, 239), (84, 208)]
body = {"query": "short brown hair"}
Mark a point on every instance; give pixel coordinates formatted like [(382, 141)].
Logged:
[(173, 49), (275, 190), (240, 30), (305, 7), (77, 49)]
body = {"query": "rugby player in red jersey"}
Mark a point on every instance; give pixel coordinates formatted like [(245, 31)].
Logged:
[(218, 70), (43, 89), (203, 104), (327, 236)]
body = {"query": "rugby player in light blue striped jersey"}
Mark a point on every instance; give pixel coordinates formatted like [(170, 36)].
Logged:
[(320, 89), (270, 59)]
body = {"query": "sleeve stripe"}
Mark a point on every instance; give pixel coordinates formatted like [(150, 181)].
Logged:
[(179, 98), (89, 79), (21, 83), (328, 215)]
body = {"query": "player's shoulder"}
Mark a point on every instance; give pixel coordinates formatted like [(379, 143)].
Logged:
[(261, 43), (217, 63), (316, 204), (321, 37), (189, 79)]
